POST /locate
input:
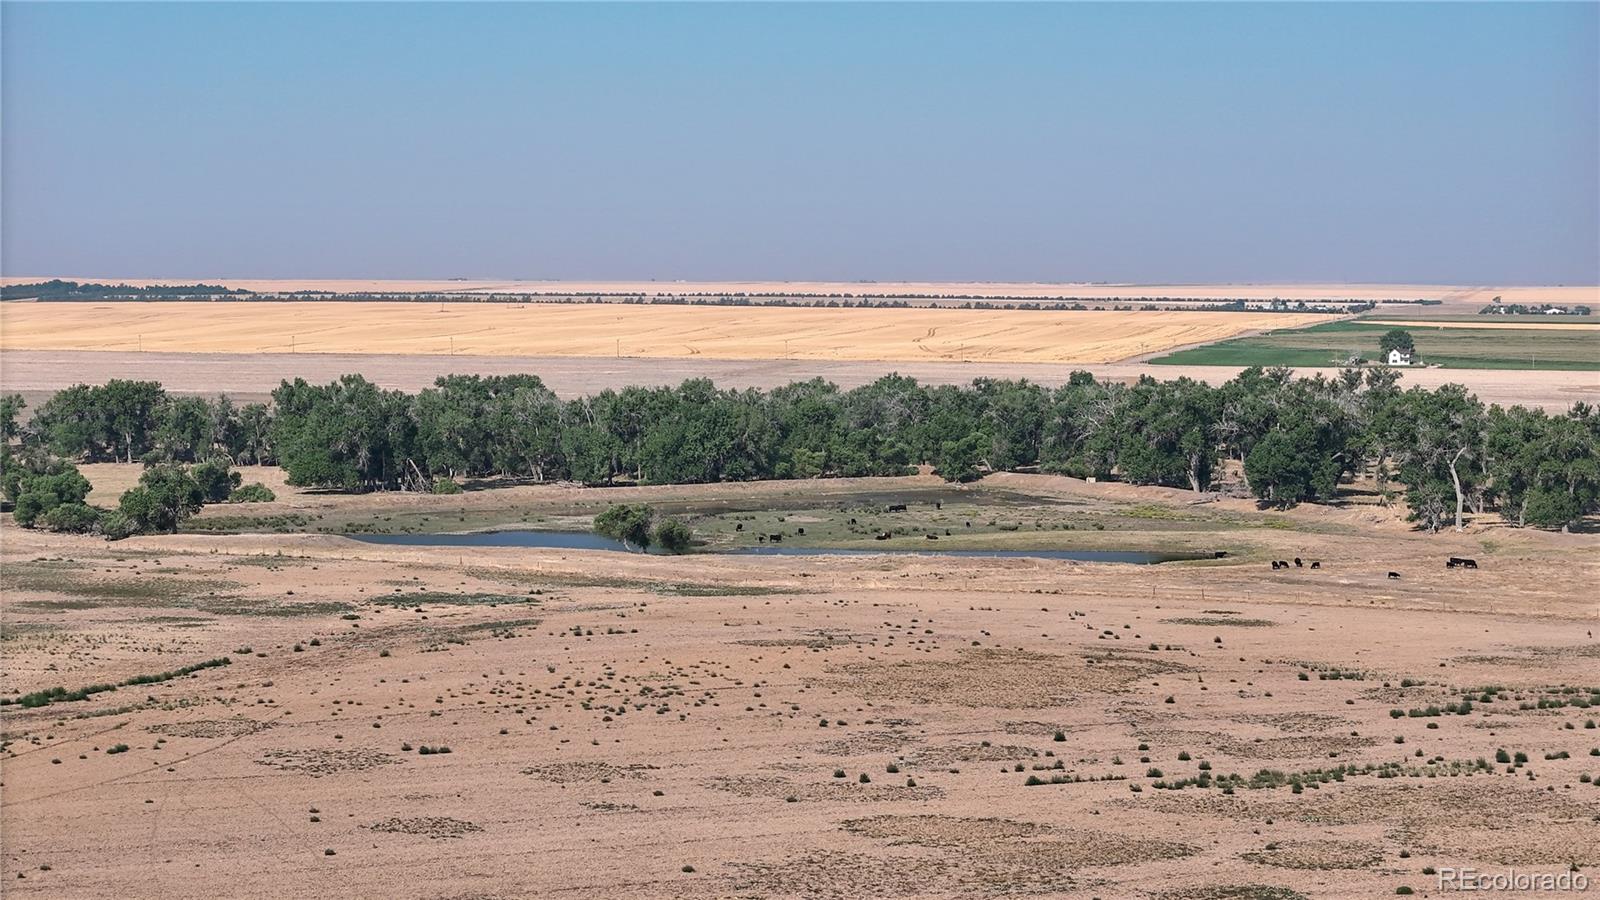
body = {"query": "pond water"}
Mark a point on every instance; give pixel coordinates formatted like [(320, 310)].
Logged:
[(581, 540)]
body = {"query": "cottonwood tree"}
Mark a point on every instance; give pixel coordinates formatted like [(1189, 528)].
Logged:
[(628, 523), (253, 442), (11, 407), (1545, 469), (1080, 436), (1384, 424), (1446, 430), (1167, 434), (1396, 339), (165, 496), (1248, 409), (674, 536), (35, 493), (1296, 438)]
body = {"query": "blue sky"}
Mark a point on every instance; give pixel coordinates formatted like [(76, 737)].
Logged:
[(1455, 143)]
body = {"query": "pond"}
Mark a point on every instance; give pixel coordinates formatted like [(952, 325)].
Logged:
[(582, 540)]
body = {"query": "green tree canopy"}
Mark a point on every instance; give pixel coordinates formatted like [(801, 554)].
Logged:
[(353, 435), (1396, 339), (628, 523), (674, 537), (165, 496), (37, 493)]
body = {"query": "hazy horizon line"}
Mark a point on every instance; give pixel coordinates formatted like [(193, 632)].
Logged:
[(9, 278)]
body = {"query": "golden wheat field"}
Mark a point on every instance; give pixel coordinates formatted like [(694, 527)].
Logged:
[(604, 329)]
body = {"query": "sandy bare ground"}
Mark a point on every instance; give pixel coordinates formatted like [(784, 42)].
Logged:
[(605, 329), (1476, 295), (627, 726), (36, 374)]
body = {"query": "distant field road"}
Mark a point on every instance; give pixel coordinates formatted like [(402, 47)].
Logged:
[(36, 374)]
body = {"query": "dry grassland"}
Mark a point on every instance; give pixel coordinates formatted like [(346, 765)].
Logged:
[(713, 726), (610, 330)]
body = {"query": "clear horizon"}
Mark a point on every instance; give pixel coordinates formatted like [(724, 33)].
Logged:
[(1133, 144)]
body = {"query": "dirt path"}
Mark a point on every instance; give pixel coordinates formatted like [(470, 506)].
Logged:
[(251, 377)]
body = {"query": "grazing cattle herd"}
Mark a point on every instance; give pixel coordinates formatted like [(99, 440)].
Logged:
[(777, 537), (1455, 562)]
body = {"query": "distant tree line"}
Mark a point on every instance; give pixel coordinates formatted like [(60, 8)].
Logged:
[(188, 446), (56, 289), (72, 290), (1295, 439), (1536, 309)]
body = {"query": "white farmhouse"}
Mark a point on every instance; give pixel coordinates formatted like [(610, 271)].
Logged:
[(1399, 357)]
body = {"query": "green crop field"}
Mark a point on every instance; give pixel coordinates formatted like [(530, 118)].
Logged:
[(1456, 348)]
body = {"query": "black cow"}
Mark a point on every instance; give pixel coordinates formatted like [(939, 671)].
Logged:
[(1298, 563), (1316, 564), (738, 526), (799, 531), (1275, 566), (852, 520), (774, 538), (1394, 576), (897, 507), (938, 504), (881, 536), (1461, 562), (1220, 554), (933, 537)]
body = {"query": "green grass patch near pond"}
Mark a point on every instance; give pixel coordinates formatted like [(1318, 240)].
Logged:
[(498, 628), (54, 605), (83, 589), (267, 609), (62, 695), (75, 580), (1272, 779), (967, 526), (265, 561), (1233, 892), (279, 524), (669, 589), (1456, 348), (1212, 621), (440, 598), (662, 587)]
